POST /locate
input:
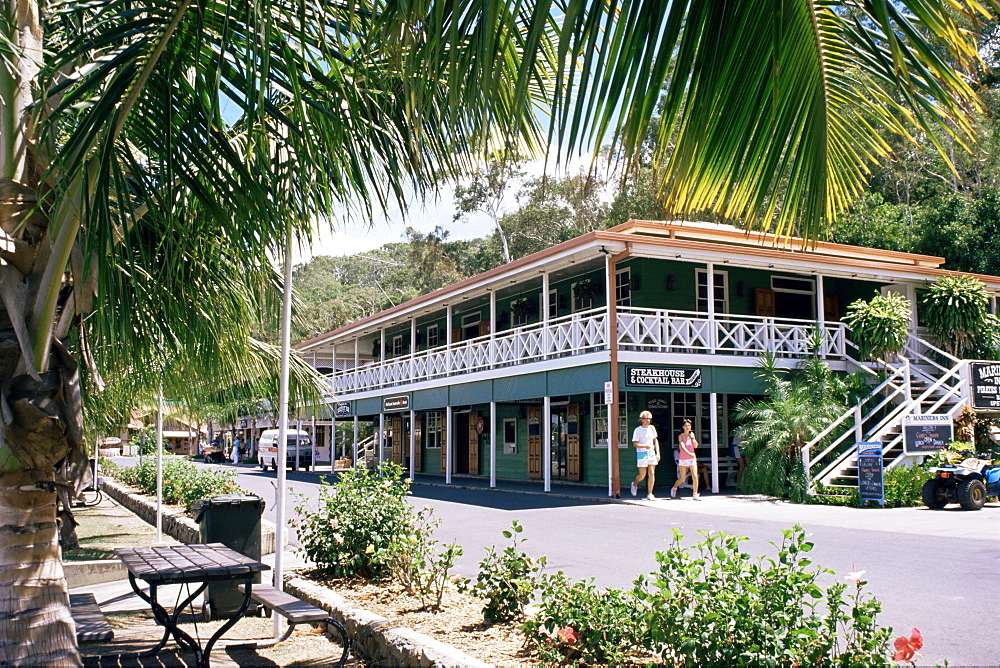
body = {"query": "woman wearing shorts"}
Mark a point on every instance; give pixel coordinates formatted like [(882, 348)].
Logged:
[(687, 461)]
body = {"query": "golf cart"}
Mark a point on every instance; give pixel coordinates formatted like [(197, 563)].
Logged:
[(967, 483)]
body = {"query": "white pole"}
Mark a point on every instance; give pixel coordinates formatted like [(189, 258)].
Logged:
[(159, 468), (547, 444), (493, 444), (298, 450), (413, 444), (713, 421), (381, 438), (446, 446), (355, 440), (286, 336)]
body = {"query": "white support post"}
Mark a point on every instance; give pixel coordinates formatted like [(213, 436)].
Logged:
[(547, 443), (413, 443), (859, 432), (493, 444), (298, 428), (493, 328), (159, 467), (713, 336), (381, 359), (546, 333), (446, 446), (713, 407), (381, 437), (821, 315), (356, 444)]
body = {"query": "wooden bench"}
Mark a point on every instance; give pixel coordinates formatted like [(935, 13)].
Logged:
[(296, 612), (91, 624)]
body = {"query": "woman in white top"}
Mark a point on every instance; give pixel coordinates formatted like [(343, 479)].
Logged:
[(647, 448)]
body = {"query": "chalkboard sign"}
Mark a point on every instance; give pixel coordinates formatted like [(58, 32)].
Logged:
[(870, 484), (924, 434), (986, 385)]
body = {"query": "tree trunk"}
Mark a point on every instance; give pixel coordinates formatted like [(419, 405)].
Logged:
[(35, 625)]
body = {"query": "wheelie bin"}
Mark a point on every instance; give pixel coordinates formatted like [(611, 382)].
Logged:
[(234, 521)]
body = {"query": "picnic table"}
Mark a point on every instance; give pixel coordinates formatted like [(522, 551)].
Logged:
[(187, 564)]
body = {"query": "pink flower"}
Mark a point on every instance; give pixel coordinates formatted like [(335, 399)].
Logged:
[(567, 635), (907, 647)]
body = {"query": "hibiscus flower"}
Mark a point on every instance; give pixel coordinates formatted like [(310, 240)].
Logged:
[(907, 647), (567, 635)]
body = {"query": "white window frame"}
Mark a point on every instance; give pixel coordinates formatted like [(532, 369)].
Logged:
[(811, 281), (701, 279), (582, 304), (433, 336), (623, 287), (433, 430), (519, 319), (599, 419), (553, 303), (509, 446), (397, 345)]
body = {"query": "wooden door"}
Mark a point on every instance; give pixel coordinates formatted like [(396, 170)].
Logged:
[(444, 443), (574, 471), (534, 441), (418, 453), (474, 443), (831, 307), (396, 424), (763, 300), (484, 328)]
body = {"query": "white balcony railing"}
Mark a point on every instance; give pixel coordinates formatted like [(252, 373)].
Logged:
[(652, 330)]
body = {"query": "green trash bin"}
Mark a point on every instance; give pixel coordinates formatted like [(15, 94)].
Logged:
[(234, 521)]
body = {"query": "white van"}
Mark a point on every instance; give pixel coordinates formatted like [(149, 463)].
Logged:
[(299, 444)]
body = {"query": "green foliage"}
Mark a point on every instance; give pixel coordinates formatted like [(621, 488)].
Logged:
[(902, 489), (352, 526), (577, 622), (956, 311), (507, 580), (797, 405), (416, 562), (183, 482), (879, 327), (715, 605)]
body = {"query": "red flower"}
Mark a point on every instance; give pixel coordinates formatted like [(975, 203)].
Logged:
[(907, 647), (567, 635)]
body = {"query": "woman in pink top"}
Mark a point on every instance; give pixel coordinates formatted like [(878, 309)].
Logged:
[(687, 461)]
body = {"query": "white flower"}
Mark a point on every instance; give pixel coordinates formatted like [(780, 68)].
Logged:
[(854, 576)]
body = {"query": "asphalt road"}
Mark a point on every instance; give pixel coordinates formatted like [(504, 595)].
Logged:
[(936, 571)]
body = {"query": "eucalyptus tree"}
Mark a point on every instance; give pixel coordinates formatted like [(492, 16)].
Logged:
[(152, 153)]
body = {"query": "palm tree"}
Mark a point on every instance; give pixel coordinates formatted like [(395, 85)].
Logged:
[(152, 155)]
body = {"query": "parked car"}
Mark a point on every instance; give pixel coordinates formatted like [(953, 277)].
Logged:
[(300, 450)]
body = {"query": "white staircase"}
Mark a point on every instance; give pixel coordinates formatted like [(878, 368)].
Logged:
[(926, 381)]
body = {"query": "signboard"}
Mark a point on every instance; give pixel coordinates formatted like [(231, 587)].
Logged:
[(662, 376), (658, 402), (870, 484), (342, 409), (400, 403), (609, 393), (985, 385), (923, 434)]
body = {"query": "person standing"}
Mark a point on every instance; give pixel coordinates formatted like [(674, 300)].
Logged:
[(647, 447), (687, 460)]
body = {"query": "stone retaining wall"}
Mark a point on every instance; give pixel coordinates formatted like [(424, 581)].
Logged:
[(179, 527)]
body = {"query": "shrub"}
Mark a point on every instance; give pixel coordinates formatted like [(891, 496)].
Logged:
[(353, 527), (576, 621), (183, 482), (957, 312), (416, 562), (507, 580), (879, 327), (902, 489), (715, 605)]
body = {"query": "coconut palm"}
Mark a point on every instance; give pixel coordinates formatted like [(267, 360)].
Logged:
[(153, 153)]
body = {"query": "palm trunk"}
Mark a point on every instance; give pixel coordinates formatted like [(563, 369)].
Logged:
[(35, 625), (40, 425)]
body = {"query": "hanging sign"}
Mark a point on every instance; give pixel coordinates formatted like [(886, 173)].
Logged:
[(923, 434), (342, 409), (985, 385), (870, 483), (400, 403), (609, 393), (662, 376)]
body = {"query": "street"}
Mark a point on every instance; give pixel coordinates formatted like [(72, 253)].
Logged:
[(933, 570)]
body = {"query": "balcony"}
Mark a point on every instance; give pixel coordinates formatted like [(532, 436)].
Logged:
[(639, 330)]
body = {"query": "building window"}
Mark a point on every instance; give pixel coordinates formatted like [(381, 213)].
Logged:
[(553, 303), (720, 288), (397, 345), (432, 336), (623, 287), (600, 422), (470, 325), (521, 311), (583, 294), (434, 430), (510, 436), (794, 297), (694, 406)]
